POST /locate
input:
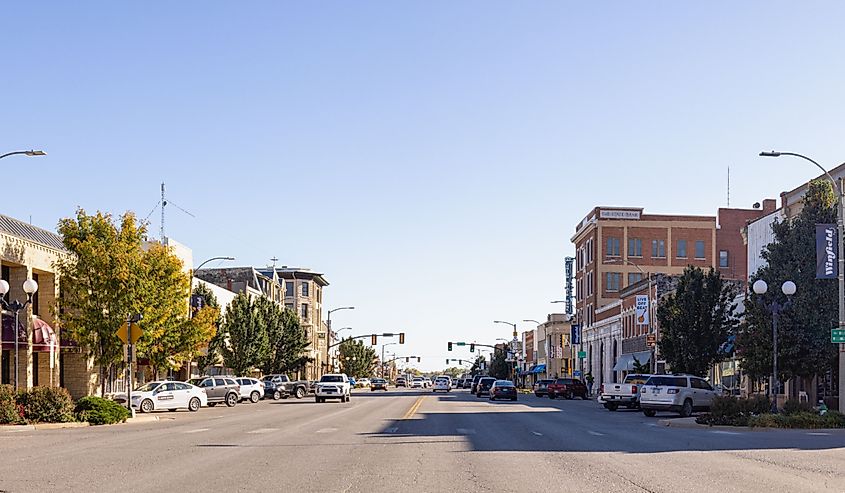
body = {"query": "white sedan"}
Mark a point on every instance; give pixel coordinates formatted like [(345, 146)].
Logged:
[(155, 396)]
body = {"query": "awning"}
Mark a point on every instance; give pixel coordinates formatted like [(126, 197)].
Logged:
[(42, 334), (626, 361), (538, 369)]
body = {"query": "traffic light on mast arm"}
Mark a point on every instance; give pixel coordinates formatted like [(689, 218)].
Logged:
[(472, 348), (375, 340), (401, 338), (407, 360), (419, 360), (450, 346)]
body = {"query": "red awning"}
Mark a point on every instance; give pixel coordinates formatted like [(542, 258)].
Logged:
[(42, 334)]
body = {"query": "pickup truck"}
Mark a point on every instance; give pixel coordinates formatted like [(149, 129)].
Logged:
[(279, 386), (627, 393)]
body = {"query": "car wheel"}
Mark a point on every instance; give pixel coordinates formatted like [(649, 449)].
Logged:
[(551, 396), (254, 397), (212, 404), (348, 398), (611, 406), (513, 399), (649, 412), (318, 400), (686, 409), (231, 399), (194, 405), (569, 395), (584, 397), (277, 395), (147, 406), (300, 392)]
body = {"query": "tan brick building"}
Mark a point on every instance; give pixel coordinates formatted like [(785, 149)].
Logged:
[(303, 292)]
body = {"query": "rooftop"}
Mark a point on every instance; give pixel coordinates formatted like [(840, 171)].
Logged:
[(12, 226)]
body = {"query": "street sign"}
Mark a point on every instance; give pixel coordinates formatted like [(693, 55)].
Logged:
[(575, 334), (460, 344), (582, 354), (123, 333), (651, 340), (837, 336), (576, 374)]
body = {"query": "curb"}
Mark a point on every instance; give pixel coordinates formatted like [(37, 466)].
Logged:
[(141, 419), (686, 423), (16, 428), (59, 426)]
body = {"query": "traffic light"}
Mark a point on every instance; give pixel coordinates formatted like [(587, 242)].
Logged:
[(472, 348), (418, 359), (450, 346), (407, 360), (401, 338), (460, 361), (447, 361), (375, 339)]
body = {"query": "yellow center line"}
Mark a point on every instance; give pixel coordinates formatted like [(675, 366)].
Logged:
[(414, 408)]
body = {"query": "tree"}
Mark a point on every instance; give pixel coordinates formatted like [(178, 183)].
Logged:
[(479, 365), (640, 367), (499, 368), (247, 345), (101, 282), (356, 360), (695, 320), (804, 347), (454, 371), (215, 344), (286, 338)]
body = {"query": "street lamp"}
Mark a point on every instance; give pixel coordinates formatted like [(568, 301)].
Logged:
[(29, 287), (840, 225), (28, 153), (212, 259), (329, 316), (776, 308), (382, 356)]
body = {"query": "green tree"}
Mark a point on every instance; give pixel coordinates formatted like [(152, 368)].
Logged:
[(804, 347), (356, 359), (213, 352), (101, 282), (453, 371), (499, 368), (286, 338), (695, 320), (479, 365), (247, 344)]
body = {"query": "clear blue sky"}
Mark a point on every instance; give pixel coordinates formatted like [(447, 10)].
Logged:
[(432, 158)]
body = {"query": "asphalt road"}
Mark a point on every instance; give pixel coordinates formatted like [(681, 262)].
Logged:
[(418, 442)]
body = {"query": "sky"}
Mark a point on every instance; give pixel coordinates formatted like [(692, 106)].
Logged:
[(430, 158)]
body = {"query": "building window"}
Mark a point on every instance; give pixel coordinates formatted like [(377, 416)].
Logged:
[(699, 248), (634, 277), (289, 305), (635, 247), (682, 248), (304, 312), (305, 289), (289, 289), (589, 250), (658, 248), (613, 247), (590, 283), (612, 281), (723, 258), (36, 307)]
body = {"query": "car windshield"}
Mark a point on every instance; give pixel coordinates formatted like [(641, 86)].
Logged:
[(639, 379), (331, 378), (149, 387), (504, 383), (667, 381), (378, 380), (487, 381)]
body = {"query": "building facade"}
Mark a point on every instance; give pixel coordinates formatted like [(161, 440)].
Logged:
[(602, 341), (303, 293)]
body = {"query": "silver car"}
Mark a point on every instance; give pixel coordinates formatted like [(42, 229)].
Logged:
[(681, 394)]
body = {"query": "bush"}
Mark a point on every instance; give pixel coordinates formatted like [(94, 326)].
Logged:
[(730, 411), (810, 420), (99, 411), (10, 413), (46, 405), (794, 407)]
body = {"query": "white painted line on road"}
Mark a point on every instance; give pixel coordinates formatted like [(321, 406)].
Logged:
[(819, 434), (537, 433), (720, 432), (198, 430), (595, 433), (261, 431), (327, 430), (392, 430), (465, 431)]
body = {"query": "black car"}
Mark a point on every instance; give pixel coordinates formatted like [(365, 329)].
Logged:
[(378, 384), (483, 386), (474, 387), (503, 389), (541, 388), (467, 383)]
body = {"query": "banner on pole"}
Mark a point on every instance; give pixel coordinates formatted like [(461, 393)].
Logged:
[(826, 251), (642, 309), (575, 334)]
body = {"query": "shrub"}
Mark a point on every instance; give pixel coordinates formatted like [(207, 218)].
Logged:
[(99, 411), (794, 407), (10, 413), (46, 405), (730, 411), (799, 419)]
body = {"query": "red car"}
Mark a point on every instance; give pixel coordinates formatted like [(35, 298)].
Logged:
[(568, 388)]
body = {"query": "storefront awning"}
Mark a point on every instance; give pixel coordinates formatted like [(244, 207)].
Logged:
[(538, 369), (626, 361), (42, 334)]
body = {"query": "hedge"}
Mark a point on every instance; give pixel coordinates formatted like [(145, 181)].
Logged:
[(10, 412), (46, 405), (99, 411), (810, 420), (730, 411)]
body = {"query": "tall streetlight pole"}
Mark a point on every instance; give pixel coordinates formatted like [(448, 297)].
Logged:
[(212, 259), (29, 287), (28, 153), (382, 356), (329, 315), (840, 223), (776, 308)]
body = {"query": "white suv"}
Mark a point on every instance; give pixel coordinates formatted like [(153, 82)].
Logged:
[(443, 382), (682, 394), (333, 386), (251, 389)]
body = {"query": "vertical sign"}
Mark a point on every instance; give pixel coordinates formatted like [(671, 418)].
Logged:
[(642, 309), (575, 334), (569, 262), (826, 250)]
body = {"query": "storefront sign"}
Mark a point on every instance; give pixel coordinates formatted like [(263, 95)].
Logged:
[(619, 214), (642, 309), (826, 251)]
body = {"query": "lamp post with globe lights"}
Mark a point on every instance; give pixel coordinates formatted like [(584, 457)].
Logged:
[(30, 287), (775, 307)]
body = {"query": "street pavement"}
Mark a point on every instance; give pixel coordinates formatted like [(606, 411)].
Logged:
[(417, 441)]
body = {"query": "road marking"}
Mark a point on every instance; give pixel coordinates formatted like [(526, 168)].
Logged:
[(327, 430), (465, 431), (261, 431), (414, 408), (537, 433), (720, 432), (392, 430), (198, 430), (819, 434), (595, 433)]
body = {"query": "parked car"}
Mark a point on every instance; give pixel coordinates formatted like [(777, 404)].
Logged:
[(458, 383), (483, 386), (362, 383), (541, 387), (378, 384), (682, 394), (400, 382), (251, 389), (502, 389), (627, 393), (333, 386), (442, 382), (170, 395), (219, 389), (467, 383), (474, 387), (280, 386), (569, 388)]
